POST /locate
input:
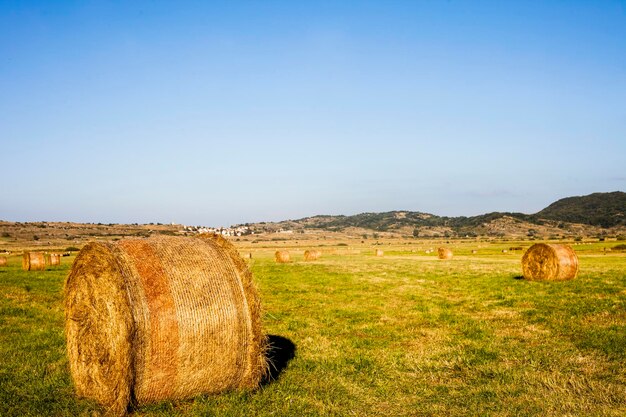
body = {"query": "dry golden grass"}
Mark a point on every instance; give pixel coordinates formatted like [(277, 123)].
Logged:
[(406, 334)]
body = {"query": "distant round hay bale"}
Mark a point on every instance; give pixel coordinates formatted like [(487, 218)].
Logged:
[(282, 256), (504, 251), (312, 255), (3, 261), (444, 253), (33, 261), (379, 252), (54, 259), (544, 261), (474, 251), (163, 318)]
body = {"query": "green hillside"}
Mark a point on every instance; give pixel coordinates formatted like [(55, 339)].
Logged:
[(604, 210), (391, 220), (598, 209)]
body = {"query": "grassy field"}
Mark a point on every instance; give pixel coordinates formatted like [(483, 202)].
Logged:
[(401, 335)]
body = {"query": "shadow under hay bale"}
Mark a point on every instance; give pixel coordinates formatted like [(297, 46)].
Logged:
[(444, 253), (33, 261), (279, 353), (312, 255), (282, 256), (551, 262), (163, 318)]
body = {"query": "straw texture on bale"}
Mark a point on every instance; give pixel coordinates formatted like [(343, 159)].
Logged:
[(33, 261), (54, 259), (444, 253), (311, 255), (379, 252), (282, 256), (543, 261), (163, 318), (3, 261)]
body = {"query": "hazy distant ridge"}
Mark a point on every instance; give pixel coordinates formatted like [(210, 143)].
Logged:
[(597, 209)]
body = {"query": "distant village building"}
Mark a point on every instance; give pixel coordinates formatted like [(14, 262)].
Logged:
[(224, 231)]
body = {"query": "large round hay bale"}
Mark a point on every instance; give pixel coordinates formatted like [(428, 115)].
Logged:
[(379, 252), (282, 256), (3, 261), (163, 318), (33, 261), (444, 253), (543, 261), (312, 255)]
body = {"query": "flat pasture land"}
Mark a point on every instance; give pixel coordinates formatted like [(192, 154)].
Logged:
[(405, 334)]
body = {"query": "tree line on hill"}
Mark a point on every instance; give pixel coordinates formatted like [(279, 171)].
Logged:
[(604, 210)]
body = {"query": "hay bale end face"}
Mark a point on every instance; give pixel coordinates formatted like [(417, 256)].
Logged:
[(551, 262), (33, 261), (379, 252), (282, 256), (312, 255), (163, 318), (444, 253)]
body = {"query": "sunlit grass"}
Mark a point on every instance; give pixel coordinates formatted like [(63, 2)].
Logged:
[(405, 334)]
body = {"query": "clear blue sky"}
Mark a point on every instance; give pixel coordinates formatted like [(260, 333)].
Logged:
[(217, 113)]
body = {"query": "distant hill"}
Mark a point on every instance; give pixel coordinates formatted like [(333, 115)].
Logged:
[(394, 220), (598, 215), (597, 209), (566, 216)]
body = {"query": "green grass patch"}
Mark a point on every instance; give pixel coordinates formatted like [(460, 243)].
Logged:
[(404, 334)]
